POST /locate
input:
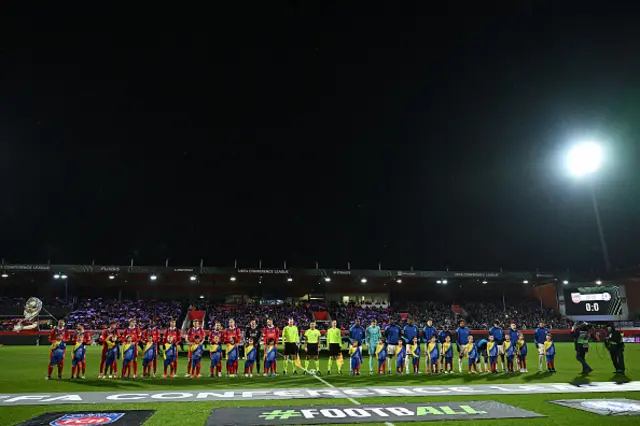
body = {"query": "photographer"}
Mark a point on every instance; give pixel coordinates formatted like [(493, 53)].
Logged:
[(613, 342), (580, 334)]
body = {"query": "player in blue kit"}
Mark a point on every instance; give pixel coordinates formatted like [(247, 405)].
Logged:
[(462, 338), (408, 333), (498, 335), (392, 335), (539, 337)]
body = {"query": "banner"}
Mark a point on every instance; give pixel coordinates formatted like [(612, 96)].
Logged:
[(117, 418), (380, 413), (604, 407), (137, 396)]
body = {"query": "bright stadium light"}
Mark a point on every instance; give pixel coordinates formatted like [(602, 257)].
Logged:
[(565, 282), (584, 159), (201, 296), (399, 281), (439, 282), (289, 279), (484, 282), (327, 279), (112, 277), (153, 277), (444, 281), (193, 278), (5, 275), (598, 282), (525, 282), (232, 279), (64, 277), (363, 280), (56, 277)]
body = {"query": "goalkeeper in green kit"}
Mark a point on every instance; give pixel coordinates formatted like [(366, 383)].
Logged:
[(372, 335)]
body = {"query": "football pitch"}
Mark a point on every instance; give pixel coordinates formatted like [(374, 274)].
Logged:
[(24, 368)]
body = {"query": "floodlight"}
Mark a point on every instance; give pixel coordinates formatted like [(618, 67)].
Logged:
[(289, 279), (584, 158), (112, 277), (363, 280), (598, 282), (525, 282), (5, 275), (484, 282), (399, 281), (565, 282), (438, 282), (444, 281), (56, 277), (153, 277), (232, 278), (327, 279), (193, 278)]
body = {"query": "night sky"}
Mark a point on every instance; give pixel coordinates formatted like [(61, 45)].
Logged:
[(413, 136)]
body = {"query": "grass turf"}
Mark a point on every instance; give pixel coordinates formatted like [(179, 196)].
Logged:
[(24, 368)]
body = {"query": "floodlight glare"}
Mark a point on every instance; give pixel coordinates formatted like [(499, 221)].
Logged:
[(193, 278), (64, 277), (112, 277), (525, 282), (444, 281), (565, 282), (56, 277), (584, 159), (399, 281), (364, 280), (598, 282), (289, 279), (232, 278), (438, 282), (153, 277), (484, 282), (5, 275), (327, 279)]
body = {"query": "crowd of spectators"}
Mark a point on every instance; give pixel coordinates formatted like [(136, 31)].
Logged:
[(97, 313), (526, 314)]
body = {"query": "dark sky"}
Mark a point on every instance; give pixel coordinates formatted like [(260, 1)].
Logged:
[(428, 136)]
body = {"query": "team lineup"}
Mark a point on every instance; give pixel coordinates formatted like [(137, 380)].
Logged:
[(393, 348)]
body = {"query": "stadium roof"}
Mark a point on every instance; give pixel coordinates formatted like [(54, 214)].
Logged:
[(283, 271)]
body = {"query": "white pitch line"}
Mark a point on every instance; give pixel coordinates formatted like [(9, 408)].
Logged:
[(355, 402)]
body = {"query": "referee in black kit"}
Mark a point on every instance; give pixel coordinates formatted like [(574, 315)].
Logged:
[(256, 334)]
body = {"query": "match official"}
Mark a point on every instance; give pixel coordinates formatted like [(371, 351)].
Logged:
[(290, 338)]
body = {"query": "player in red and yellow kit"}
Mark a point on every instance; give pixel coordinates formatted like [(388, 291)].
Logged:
[(80, 337), (154, 333), (176, 333), (268, 333), (103, 341), (135, 333), (194, 331), (61, 331)]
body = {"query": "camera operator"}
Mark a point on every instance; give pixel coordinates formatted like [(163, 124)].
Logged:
[(580, 334), (613, 342)]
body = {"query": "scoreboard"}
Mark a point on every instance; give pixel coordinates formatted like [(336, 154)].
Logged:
[(593, 301)]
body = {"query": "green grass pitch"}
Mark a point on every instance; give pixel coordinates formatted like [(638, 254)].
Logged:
[(24, 368)]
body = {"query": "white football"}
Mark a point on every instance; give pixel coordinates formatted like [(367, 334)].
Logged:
[(312, 371)]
